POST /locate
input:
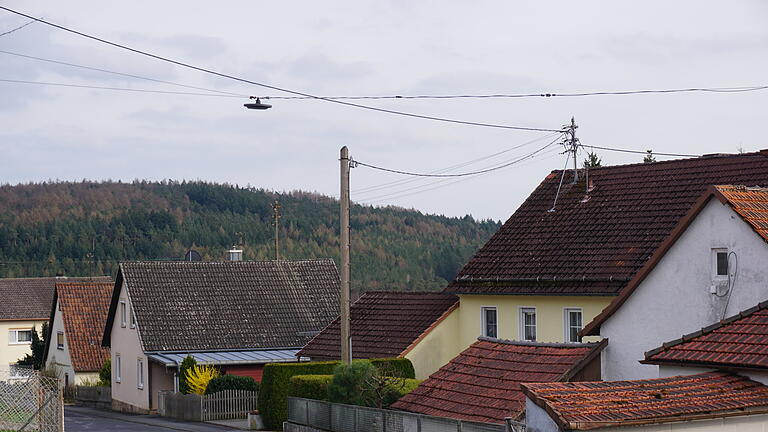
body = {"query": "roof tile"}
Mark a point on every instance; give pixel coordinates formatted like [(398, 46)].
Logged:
[(84, 307)]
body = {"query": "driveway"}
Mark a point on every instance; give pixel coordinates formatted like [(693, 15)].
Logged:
[(77, 419)]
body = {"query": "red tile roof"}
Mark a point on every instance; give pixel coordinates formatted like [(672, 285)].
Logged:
[(383, 324), (84, 307), (593, 405), (483, 382), (740, 341), (751, 204), (595, 242)]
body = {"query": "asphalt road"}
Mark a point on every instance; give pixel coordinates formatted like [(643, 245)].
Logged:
[(78, 419)]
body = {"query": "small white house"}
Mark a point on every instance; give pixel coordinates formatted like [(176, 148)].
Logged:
[(714, 264), (78, 314)]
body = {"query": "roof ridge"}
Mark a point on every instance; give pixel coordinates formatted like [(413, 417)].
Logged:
[(539, 344), (763, 152)]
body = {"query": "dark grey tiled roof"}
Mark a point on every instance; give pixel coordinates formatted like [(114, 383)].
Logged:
[(183, 306), (31, 298)]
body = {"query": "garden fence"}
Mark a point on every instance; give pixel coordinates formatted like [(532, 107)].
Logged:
[(31, 403), (223, 405), (350, 418)]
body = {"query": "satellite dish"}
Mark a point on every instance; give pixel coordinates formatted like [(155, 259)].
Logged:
[(192, 255)]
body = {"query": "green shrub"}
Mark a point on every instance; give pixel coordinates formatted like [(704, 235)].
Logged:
[(273, 402), (349, 382), (232, 382), (396, 366), (188, 363), (273, 397), (105, 373), (310, 386)]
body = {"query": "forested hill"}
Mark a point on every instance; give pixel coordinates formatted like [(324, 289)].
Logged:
[(79, 229)]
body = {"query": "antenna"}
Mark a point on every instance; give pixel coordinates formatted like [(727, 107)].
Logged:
[(572, 145), (276, 217)]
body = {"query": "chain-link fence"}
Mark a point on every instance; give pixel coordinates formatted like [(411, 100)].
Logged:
[(30, 402), (349, 418)]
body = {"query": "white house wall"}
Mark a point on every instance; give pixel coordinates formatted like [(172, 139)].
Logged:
[(674, 299), (752, 423), (126, 396), (57, 358)]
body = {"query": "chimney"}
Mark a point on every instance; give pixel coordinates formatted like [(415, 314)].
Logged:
[(235, 254)]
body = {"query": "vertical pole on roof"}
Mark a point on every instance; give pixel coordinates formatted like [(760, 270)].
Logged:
[(346, 352), (276, 217), (573, 142)]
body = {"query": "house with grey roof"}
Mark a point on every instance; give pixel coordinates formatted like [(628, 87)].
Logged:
[(237, 315)]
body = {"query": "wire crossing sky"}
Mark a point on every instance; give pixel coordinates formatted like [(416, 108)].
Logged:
[(154, 105)]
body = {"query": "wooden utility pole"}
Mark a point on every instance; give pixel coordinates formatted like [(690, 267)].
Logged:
[(346, 348), (276, 217), (573, 143)]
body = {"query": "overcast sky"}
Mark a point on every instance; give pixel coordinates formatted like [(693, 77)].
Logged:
[(375, 48)]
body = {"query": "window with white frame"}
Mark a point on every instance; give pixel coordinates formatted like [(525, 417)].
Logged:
[(122, 313), (720, 263), (118, 369), (140, 373), (489, 325), (19, 336), (528, 323), (572, 320), (60, 340), (133, 319)]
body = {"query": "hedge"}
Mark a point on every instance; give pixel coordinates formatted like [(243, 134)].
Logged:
[(232, 382), (275, 383), (399, 367), (310, 386)]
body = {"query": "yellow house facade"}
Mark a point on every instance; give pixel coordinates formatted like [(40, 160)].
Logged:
[(17, 336)]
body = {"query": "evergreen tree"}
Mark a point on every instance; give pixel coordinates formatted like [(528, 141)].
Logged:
[(37, 346), (649, 157), (592, 160)]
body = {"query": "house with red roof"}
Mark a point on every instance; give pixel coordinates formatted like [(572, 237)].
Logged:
[(712, 264), (568, 252), (77, 317), (713, 401), (738, 343), (482, 384), (420, 326)]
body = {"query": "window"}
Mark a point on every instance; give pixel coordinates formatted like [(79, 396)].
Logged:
[(19, 336), (140, 373), (133, 319), (528, 323), (572, 324), (122, 313), (721, 263), (118, 368), (60, 340), (489, 322)]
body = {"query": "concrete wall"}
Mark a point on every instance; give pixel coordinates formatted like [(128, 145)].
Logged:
[(675, 298), (160, 379), (97, 397), (126, 396), (438, 347), (537, 420), (550, 315), (10, 353)]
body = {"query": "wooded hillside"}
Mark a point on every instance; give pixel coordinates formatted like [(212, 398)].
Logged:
[(79, 229)]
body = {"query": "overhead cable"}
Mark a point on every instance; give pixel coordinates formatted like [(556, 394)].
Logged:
[(640, 152), (116, 88), (119, 73), (741, 89), (395, 183), (17, 28), (277, 88)]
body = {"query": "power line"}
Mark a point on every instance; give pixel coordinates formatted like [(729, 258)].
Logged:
[(460, 165), (741, 89), (119, 73), (115, 88), (277, 88), (464, 174), (640, 152), (445, 183), (17, 28)]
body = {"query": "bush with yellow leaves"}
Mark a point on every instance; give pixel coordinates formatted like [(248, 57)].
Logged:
[(199, 376)]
